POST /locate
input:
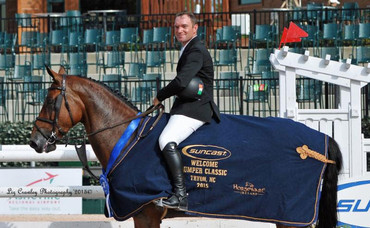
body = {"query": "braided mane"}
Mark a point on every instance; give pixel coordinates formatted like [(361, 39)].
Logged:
[(115, 93)]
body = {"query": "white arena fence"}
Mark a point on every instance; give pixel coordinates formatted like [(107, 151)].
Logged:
[(24, 153), (342, 123)]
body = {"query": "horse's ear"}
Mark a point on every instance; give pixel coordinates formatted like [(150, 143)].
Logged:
[(53, 74), (62, 70)]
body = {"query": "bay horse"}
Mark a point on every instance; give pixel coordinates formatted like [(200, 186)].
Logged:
[(73, 99)]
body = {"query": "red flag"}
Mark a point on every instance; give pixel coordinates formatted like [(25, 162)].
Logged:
[(293, 34), (283, 37)]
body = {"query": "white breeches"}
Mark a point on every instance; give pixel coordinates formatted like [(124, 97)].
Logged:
[(178, 128)]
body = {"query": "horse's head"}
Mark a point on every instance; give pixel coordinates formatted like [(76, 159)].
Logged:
[(59, 113)]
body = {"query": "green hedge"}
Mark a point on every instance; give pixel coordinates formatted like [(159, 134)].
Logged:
[(15, 133), (19, 133)]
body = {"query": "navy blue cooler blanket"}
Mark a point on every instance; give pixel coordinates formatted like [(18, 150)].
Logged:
[(242, 168)]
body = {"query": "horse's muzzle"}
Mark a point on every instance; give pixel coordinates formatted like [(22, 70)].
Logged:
[(40, 144)]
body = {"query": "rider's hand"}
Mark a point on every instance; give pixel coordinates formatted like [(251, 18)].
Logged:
[(156, 101)]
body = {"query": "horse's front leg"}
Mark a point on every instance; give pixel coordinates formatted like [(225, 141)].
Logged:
[(149, 217)]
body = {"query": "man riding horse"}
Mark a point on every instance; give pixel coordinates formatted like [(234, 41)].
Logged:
[(187, 114)]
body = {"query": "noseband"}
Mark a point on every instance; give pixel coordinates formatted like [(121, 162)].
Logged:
[(58, 103)]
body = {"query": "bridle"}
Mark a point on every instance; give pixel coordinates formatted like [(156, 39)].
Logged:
[(53, 138)]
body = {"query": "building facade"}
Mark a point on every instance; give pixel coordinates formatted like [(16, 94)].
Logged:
[(10, 7)]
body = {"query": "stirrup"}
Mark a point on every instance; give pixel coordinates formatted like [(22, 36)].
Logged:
[(159, 202), (176, 202)]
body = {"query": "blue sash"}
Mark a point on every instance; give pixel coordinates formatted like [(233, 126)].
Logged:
[(114, 154)]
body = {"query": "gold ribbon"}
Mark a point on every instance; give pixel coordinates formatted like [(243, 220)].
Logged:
[(305, 152)]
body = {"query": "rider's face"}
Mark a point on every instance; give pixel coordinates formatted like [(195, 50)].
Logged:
[(184, 29)]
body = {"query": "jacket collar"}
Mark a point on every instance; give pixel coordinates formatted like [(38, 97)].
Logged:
[(191, 43)]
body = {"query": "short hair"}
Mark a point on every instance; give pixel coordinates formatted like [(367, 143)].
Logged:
[(189, 14)]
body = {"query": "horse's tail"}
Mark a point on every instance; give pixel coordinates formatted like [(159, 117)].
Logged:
[(328, 201)]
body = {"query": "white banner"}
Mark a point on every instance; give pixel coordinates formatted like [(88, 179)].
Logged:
[(354, 202), (87, 192), (31, 204)]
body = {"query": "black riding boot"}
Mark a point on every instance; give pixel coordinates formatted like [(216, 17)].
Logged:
[(179, 200)]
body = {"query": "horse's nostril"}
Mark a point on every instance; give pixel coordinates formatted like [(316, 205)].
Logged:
[(34, 145)]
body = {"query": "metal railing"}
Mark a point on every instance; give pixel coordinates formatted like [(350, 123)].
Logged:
[(242, 96)]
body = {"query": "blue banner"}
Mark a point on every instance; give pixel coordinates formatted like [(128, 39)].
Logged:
[(243, 168)]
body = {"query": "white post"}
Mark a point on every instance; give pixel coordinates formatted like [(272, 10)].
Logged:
[(355, 130), (291, 105), (283, 95)]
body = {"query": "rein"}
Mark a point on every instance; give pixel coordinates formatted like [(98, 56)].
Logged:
[(81, 151), (151, 109)]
